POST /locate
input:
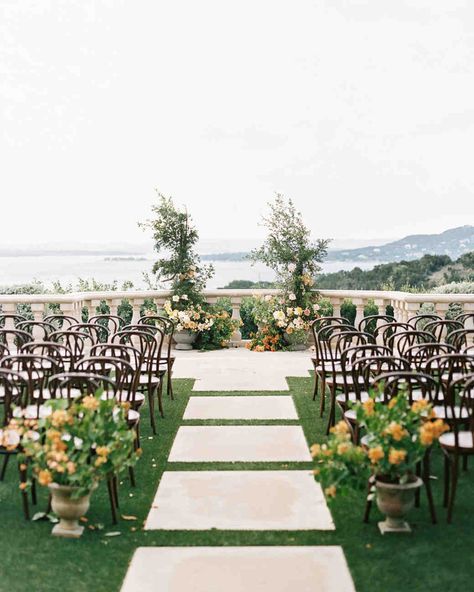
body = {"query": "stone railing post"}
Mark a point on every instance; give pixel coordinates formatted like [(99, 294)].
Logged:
[(336, 307), (236, 339), (10, 308), (360, 305), (38, 314), (136, 305)]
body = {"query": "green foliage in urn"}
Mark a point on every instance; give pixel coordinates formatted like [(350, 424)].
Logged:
[(397, 436), (75, 445)]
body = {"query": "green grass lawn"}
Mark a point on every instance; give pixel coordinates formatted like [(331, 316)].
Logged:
[(434, 558)]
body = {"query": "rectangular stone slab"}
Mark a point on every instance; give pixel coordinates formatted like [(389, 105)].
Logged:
[(266, 407), (240, 369), (238, 569), (240, 443), (239, 500)]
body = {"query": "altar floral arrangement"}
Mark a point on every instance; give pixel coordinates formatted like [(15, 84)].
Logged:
[(279, 320), (187, 316)]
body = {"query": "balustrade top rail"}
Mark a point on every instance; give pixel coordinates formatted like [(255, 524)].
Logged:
[(236, 295)]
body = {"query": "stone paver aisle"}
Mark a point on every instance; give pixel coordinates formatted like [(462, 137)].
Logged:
[(240, 499)]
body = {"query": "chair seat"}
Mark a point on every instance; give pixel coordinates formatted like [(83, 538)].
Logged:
[(443, 413), (350, 415), (466, 441), (33, 412), (124, 396), (346, 397), (45, 394), (133, 416)]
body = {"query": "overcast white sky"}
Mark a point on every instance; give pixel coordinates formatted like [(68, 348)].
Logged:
[(362, 111)]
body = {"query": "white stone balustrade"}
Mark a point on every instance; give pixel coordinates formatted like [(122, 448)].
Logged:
[(405, 304)]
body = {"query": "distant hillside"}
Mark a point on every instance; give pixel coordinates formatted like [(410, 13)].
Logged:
[(421, 274), (454, 243)]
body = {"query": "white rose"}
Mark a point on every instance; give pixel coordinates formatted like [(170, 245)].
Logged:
[(291, 267), (78, 442), (184, 297), (292, 296), (175, 298)]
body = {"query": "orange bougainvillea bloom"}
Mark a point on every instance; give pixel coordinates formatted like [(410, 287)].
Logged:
[(45, 477), (369, 406), (340, 428), (431, 431), (375, 454), (396, 431), (90, 403), (419, 405), (395, 457), (330, 491)]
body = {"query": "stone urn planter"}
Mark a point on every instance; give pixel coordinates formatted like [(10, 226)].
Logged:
[(395, 501), (294, 341), (68, 510), (184, 339)]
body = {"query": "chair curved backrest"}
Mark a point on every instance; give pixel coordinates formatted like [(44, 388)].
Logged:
[(418, 385), (96, 332), (365, 370), (16, 392), (419, 354), (14, 338), (58, 352), (113, 323), (419, 321), (60, 321), (369, 323), (121, 372), (39, 330), (76, 342), (168, 326), (441, 330), (383, 332), (462, 338), (449, 367), (72, 385), (467, 319), (11, 320), (400, 342)]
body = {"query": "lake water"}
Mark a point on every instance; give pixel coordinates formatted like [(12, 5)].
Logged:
[(67, 269)]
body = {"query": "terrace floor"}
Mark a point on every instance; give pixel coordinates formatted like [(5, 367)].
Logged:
[(225, 500)]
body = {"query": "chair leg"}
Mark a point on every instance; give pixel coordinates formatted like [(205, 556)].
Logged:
[(151, 407), (316, 385), (368, 502), (169, 386), (112, 500), (454, 483), (159, 394), (417, 492), (34, 499), (24, 494), (332, 409), (427, 481), (322, 404), (4, 466), (131, 474), (465, 458), (447, 470), (115, 490)]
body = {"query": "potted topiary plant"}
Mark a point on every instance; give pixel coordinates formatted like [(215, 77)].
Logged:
[(397, 437), (71, 448)]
